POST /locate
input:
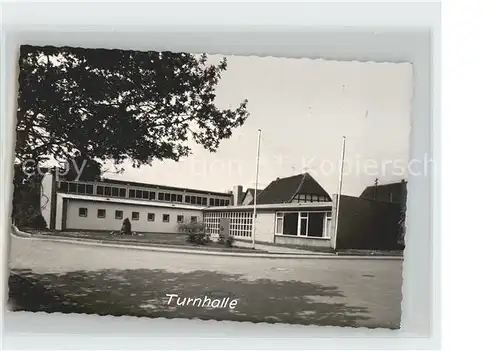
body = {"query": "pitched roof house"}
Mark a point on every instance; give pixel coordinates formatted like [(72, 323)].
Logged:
[(297, 188)]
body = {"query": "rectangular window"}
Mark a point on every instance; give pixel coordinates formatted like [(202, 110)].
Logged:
[(179, 198), (180, 218), (82, 212), (328, 225), (290, 223), (167, 196), (316, 224), (151, 217), (100, 190), (279, 225), (123, 192), (198, 200), (217, 202), (138, 194), (212, 203), (303, 223), (101, 213), (114, 191), (131, 193), (187, 199), (89, 189), (107, 191), (166, 218), (63, 186), (72, 187), (194, 219), (81, 188), (152, 195), (118, 214), (204, 201), (193, 200), (145, 195), (135, 216), (161, 196)]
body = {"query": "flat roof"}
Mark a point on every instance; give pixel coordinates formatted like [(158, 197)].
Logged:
[(284, 206), (130, 201), (306, 205)]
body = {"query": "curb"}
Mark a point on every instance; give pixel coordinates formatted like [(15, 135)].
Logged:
[(90, 242)]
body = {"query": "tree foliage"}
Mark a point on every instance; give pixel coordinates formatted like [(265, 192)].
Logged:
[(82, 169), (100, 104), (29, 197)]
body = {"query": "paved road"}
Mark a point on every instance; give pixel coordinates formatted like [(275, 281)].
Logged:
[(52, 276)]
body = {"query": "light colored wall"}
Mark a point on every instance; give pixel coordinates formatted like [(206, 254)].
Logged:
[(290, 240), (92, 222), (265, 227), (59, 212), (46, 197), (247, 199)]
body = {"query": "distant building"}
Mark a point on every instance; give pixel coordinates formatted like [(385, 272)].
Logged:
[(102, 205), (392, 192), (298, 211), (249, 196), (294, 210), (297, 188)]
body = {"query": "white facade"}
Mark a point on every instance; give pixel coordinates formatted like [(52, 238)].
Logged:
[(46, 197), (265, 227), (150, 208), (80, 212), (101, 215), (309, 224), (303, 223)]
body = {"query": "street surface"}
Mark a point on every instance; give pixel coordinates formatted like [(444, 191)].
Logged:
[(66, 277)]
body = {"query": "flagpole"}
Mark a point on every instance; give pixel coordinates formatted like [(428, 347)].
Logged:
[(254, 221), (339, 193)]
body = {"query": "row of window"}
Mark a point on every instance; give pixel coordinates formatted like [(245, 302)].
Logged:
[(306, 224), (198, 200), (310, 224), (135, 216), (240, 223), (88, 189), (310, 198)]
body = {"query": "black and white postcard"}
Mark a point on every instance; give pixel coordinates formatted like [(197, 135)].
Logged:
[(214, 187)]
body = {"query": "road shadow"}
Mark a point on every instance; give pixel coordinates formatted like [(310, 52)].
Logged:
[(142, 293)]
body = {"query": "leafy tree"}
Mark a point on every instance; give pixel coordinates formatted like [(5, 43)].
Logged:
[(92, 105), (29, 197), (82, 169), (100, 104)]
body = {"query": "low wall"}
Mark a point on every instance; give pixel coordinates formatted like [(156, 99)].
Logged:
[(298, 241)]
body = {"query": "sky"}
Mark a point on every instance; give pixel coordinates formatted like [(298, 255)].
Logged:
[(303, 107)]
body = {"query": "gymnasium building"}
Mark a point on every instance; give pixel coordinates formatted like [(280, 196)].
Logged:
[(294, 211)]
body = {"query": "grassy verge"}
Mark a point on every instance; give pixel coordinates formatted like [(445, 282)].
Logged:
[(151, 239)]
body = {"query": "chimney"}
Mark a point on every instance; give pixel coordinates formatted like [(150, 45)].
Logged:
[(237, 195)]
